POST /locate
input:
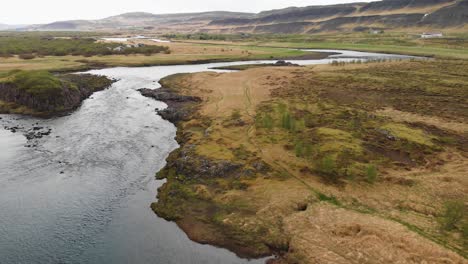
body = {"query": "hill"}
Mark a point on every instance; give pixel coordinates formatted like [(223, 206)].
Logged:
[(382, 15), (11, 27), (385, 15), (142, 20)]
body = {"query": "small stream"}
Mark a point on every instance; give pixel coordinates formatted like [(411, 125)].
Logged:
[(82, 194)]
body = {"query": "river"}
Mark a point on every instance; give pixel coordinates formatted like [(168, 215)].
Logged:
[(82, 194)]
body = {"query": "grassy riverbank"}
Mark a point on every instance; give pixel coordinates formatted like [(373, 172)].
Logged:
[(347, 163), (60, 55), (453, 45), (41, 93), (211, 49)]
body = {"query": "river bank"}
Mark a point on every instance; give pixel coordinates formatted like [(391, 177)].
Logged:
[(180, 54), (42, 94), (86, 188), (273, 161)]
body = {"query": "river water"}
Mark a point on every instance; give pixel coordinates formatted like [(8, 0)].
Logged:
[(82, 194)]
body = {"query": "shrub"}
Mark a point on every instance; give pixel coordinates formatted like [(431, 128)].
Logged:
[(331, 199), (299, 149), (268, 121), (288, 122), (371, 173), (27, 56), (303, 149), (264, 120), (454, 212), (236, 115), (5, 55), (327, 167)]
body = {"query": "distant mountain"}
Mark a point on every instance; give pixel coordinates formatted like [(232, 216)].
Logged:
[(11, 27), (452, 15), (389, 5), (385, 15), (141, 20)]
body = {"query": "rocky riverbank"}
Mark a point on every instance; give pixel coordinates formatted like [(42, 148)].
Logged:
[(46, 95), (179, 106), (276, 161), (243, 67), (185, 166)]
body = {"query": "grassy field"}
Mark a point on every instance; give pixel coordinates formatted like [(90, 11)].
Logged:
[(438, 52), (325, 162), (451, 46), (228, 48), (180, 54), (28, 46)]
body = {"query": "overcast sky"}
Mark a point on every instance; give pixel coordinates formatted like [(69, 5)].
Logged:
[(46, 11)]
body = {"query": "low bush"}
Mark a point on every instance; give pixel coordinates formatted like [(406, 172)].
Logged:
[(236, 115), (371, 173), (331, 199), (327, 167), (454, 213), (26, 56)]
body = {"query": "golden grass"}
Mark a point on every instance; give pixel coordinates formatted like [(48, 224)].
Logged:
[(335, 140), (181, 53), (441, 123), (399, 204)]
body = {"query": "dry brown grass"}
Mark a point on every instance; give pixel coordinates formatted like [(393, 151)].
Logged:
[(181, 53), (327, 234), (394, 220), (441, 123)]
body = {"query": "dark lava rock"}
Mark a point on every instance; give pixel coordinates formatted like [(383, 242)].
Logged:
[(31, 135), (285, 63), (167, 96), (175, 115), (178, 109), (35, 132)]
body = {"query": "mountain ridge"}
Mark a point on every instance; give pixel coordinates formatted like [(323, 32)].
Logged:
[(385, 15)]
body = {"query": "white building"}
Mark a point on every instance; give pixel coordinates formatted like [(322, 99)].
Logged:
[(432, 35)]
